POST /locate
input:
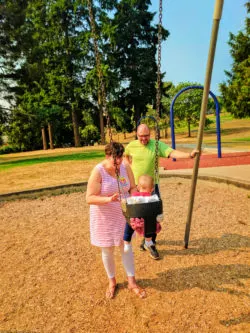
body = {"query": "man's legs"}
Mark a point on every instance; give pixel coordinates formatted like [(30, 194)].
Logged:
[(128, 232)]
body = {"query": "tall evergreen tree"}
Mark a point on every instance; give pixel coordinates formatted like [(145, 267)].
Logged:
[(236, 91), (133, 56), (14, 40)]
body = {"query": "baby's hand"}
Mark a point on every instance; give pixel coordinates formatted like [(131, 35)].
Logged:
[(160, 218)]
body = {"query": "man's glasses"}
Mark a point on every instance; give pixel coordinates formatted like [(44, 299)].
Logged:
[(143, 136)]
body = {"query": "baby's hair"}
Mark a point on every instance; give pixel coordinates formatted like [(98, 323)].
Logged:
[(146, 181)]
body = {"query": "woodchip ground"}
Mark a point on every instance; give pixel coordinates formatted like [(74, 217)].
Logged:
[(52, 279)]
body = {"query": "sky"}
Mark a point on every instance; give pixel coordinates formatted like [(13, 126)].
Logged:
[(185, 52)]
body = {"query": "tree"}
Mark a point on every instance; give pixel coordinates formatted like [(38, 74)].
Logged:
[(14, 40), (133, 46), (62, 41), (42, 53), (235, 92), (3, 122)]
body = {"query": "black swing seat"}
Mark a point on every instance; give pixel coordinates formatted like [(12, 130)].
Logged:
[(148, 211)]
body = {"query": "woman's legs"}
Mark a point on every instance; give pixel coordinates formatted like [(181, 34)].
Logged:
[(109, 265), (128, 263)]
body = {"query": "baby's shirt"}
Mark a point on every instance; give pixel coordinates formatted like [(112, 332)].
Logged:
[(141, 194), (142, 197)]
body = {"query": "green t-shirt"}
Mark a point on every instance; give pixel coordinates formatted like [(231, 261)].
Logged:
[(143, 157)]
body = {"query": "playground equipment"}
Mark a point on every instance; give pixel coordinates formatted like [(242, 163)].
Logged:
[(215, 27), (217, 108)]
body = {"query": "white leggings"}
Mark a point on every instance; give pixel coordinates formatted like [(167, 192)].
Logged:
[(109, 261)]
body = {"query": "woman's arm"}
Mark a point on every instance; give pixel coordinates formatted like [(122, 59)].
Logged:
[(93, 196), (131, 179)]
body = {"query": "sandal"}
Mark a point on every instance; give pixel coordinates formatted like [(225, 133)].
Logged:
[(110, 292), (141, 293)]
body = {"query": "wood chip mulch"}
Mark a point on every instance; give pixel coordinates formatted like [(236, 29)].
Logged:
[(52, 279)]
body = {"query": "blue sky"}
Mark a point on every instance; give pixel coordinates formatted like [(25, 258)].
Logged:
[(185, 52)]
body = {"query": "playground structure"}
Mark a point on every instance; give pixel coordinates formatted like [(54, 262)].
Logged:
[(217, 110)]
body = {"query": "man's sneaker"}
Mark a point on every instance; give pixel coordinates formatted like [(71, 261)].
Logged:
[(142, 248), (153, 251)]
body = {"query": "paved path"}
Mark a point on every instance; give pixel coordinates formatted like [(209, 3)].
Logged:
[(232, 168)]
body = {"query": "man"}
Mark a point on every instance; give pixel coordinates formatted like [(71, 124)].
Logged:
[(141, 155)]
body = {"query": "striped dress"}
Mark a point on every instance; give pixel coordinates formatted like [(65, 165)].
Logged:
[(107, 222)]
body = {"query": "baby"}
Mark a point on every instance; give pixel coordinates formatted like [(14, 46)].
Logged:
[(145, 187)]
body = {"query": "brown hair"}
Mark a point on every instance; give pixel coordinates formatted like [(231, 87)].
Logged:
[(114, 149)]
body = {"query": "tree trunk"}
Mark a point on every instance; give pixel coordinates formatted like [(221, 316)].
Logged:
[(103, 139), (137, 117), (51, 144), (124, 135), (75, 128), (189, 130), (45, 147), (166, 133)]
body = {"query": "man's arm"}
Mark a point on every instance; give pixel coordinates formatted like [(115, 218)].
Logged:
[(181, 154)]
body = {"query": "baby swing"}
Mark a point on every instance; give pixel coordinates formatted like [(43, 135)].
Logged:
[(148, 211)]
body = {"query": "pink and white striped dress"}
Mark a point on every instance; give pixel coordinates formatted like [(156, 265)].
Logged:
[(107, 222)]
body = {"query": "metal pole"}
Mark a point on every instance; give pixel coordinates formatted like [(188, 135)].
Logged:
[(216, 20)]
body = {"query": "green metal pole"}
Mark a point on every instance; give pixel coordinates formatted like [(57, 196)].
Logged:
[(216, 21)]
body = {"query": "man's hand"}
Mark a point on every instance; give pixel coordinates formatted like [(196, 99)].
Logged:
[(194, 153)]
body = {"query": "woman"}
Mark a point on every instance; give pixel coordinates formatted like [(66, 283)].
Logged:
[(107, 222)]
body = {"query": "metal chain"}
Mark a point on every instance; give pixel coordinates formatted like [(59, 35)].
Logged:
[(158, 95), (103, 102)]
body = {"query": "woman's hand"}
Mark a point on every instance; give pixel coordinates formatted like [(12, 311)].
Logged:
[(114, 197)]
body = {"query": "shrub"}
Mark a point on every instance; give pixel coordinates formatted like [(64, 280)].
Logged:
[(7, 149), (90, 134)]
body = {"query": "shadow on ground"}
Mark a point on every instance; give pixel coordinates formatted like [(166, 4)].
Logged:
[(205, 277), (244, 318), (206, 246)]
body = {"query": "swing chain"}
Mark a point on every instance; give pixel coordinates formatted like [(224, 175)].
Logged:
[(158, 95), (103, 102)]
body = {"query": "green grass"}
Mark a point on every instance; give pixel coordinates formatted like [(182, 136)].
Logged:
[(181, 126), (240, 139), (47, 159), (224, 117)]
